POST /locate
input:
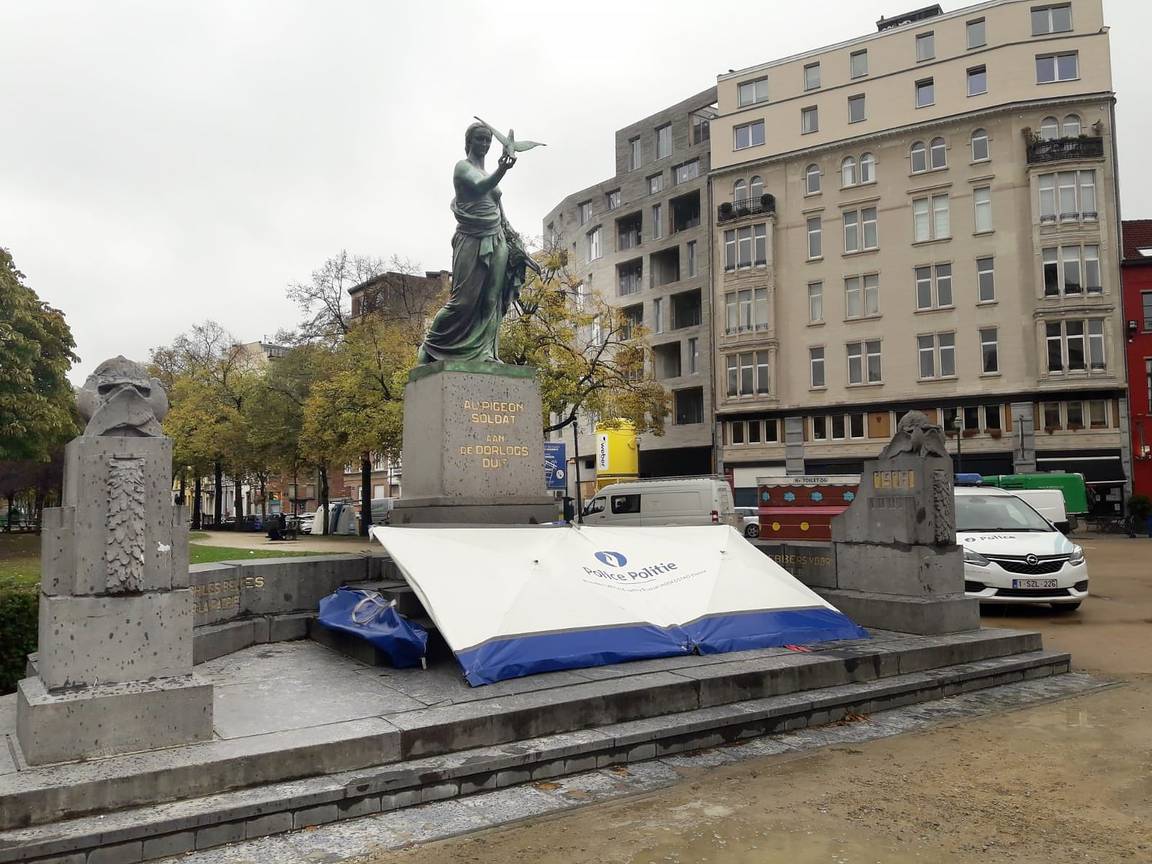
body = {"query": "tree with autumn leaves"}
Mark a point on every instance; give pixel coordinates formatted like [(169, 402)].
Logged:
[(336, 396)]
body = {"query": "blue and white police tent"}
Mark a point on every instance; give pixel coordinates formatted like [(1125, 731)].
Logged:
[(517, 601)]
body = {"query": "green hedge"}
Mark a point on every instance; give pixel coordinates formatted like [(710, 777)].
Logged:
[(18, 623)]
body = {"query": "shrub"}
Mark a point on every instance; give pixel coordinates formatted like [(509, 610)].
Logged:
[(18, 624)]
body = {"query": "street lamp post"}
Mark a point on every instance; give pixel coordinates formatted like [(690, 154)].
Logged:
[(958, 425)]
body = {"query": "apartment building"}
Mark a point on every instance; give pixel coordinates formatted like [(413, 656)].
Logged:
[(1137, 273), (923, 217), (641, 240)]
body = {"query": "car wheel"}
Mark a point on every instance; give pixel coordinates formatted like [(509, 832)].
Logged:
[(752, 531), (1065, 608)]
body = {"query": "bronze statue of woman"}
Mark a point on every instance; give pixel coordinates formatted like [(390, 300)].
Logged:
[(488, 260)]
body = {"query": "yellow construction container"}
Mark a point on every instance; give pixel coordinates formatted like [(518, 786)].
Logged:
[(617, 453)]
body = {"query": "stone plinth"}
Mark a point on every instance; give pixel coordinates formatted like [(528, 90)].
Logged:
[(473, 446), (897, 565), (114, 671)]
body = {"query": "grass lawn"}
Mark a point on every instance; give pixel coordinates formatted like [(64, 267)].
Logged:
[(20, 556)]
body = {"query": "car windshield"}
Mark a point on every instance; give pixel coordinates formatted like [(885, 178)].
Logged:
[(997, 513)]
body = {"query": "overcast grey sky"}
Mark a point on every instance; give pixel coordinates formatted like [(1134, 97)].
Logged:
[(165, 162)]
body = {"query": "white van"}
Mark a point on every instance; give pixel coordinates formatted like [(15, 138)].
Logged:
[(1049, 503), (690, 501)]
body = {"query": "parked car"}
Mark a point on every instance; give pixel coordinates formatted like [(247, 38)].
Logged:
[(687, 501), (1049, 503), (750, 520), (1012, 554)]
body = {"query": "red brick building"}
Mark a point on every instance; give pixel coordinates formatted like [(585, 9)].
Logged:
[(1136, 274)]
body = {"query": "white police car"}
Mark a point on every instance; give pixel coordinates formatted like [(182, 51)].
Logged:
[(1012, 554)]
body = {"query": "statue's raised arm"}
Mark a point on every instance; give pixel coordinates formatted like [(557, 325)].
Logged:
[(488, 258)]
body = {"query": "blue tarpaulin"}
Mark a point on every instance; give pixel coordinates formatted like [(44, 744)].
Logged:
[(368, 615)]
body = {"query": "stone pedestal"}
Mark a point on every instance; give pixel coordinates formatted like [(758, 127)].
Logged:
[(473, 446), (114, 671), (897, 563)]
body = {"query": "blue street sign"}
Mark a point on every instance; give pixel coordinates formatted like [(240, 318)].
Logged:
[(556, 464)]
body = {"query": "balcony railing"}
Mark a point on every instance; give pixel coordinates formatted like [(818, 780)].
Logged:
[(745, 207), (1063, 149)]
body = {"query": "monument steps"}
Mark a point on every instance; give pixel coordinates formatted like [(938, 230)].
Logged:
[(158, 830), (656, 692)]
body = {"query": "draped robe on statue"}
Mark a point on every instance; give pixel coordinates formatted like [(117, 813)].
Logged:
[(487, 272)]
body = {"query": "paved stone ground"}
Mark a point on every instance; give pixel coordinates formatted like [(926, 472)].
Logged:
[(372, 835)]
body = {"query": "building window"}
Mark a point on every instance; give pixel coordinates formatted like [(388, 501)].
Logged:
[(656, 183), (989, 351), (848, 171), (867, 168), (812, 76), (746, 310), (630, 277), (1057, 67), (809, 120), (982, 204), (633, 153), (748, 135), (937, 154), (1051, 415), (595, 250), (858, 63), (862, 296), (736, 431), (816, 302), (814, 240), (753, 431), (658, 315), (937, 354), (1049, 129), (925, 46), (816, 367), (820, 428), (701, 128), (918, 155), (745, 247), (986, 280), (1146, 302), (1071, 270), (1075, 414), (751, 92), (1051, 19), (930, 218), (691, 255), (755, 189), (689, 406), (1098, 408), (1068, 195), (856, 109), (860, 230), (584, 212), (980, 145), (685, 172), (934, 287), (664, 141), (925, 93), (1071, 127), (613, 199), (657, 221), (812, 179), (864, 362), (693, 354), (976, 34), (748, 373), (739, 190), (977, 80), (1075, 345)]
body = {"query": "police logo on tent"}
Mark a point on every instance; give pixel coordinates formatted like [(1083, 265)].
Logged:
[(612, 559)]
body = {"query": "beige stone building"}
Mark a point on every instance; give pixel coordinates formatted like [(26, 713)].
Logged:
[(923, 217)]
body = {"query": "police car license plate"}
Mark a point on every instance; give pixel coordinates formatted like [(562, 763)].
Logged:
[(1033, 583)]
